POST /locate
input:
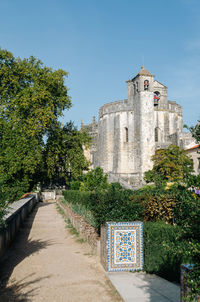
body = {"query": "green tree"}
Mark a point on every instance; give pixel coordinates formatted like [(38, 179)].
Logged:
[(95, 180), (32, 97), (171, 164), (64, 153), (196, 131)]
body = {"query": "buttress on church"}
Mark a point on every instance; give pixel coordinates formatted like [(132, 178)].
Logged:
[(129, 131)]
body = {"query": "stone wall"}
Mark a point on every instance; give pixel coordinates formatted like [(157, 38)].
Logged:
[(106, 245), (17, 212), (85, 230), (129, 131), (48, 195)]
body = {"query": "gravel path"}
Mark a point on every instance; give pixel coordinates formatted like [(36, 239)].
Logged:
[(46, 263)]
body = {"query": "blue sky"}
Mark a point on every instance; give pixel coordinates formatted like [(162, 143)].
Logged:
[(104, 43)]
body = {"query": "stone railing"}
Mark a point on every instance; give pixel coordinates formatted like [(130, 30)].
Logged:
[(16, 214)]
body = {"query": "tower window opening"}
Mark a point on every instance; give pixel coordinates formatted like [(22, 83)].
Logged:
[(156, 134), (134, 88), (156, 98), (126, 134), (146, 85)]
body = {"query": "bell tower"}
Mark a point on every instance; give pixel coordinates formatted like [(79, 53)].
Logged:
[(144, 134)]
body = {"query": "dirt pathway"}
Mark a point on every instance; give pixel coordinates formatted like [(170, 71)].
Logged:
[(46, 263)]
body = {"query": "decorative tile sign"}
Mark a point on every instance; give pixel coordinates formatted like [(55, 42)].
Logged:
[(124, 246)]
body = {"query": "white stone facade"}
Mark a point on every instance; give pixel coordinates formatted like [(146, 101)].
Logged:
[(128, 132), (194, 153)]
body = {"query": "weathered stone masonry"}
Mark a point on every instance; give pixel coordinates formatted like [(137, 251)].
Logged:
[(128, 132)]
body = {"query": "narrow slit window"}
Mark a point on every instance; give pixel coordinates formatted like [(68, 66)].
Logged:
[(156, 134), (134, 88), (126, 134)]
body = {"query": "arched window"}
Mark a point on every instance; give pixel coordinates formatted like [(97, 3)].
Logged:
[(156, 98), (126, 134), (146, 85)]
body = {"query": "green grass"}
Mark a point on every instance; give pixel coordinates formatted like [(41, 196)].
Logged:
[(69, 226)]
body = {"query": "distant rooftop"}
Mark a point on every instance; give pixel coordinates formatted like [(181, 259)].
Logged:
[(144, 72), (194, 147)]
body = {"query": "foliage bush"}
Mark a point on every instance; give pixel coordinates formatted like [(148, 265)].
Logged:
[(75, 184), (171, 221), (171, 164), (193, 279), (94, 180), (193, 180), (187, 210), (159, 208), (159, 256), (175, 205), (80, 203), (114, 205), (109, 205)]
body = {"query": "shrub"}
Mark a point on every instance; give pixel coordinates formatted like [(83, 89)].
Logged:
[(187, 211), (193, 180), (171, 164), (171, 221), (111, 205), (159, 256), (94, 180), (80, 203), (159, 208), (75, 184), (157, 204)]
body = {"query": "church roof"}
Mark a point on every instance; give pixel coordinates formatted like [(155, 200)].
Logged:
[(144, 72)]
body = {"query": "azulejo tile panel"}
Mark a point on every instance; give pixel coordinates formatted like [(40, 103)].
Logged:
[(124, 246)]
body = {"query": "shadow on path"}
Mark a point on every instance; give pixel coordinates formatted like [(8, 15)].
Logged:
[(21, 248)]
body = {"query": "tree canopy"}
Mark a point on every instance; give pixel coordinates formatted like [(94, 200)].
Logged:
[(64, 154), (94, 180), (171, 164), (196, 132), (32, 97)]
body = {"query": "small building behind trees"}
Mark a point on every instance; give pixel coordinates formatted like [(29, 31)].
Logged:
[(194, 153)]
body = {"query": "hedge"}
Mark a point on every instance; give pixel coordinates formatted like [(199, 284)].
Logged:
[(164, 250), (166, 246), (112, 205)]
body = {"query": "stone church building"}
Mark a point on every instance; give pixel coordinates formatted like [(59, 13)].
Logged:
[(129, 131)]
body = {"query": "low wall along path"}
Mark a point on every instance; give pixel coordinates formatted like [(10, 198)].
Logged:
[(46, 263)]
